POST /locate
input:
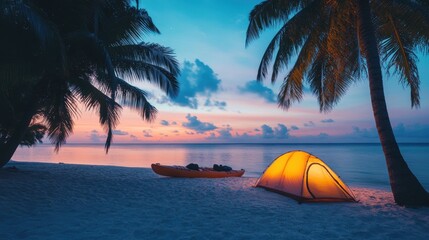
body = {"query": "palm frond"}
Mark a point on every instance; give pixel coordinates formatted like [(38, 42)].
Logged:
[(270, 13), (315, 77), (417, 11), (59, 109), (109, 138), (126, 25), (94, 99), (99, 54), (397, 51), (291, 38), (148, 52), (34, 134), (108, 110), (411, 16), (292, 90), (342, 55), (268, 55), (329, 59), (145, 71), (336, 82), (136, 99)]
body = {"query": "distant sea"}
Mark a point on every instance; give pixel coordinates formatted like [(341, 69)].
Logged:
[(357, 164)]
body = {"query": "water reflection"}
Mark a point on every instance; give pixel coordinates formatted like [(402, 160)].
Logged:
[(119, 155)]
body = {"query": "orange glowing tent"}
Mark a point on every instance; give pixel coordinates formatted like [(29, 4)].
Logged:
[(305, 178)]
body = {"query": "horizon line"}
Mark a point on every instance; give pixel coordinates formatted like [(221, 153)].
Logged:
[(227, 143)]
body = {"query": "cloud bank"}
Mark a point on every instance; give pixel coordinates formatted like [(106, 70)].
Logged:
[(200, 127), (197, 79)]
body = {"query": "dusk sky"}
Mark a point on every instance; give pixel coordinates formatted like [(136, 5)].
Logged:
[(220, 101)]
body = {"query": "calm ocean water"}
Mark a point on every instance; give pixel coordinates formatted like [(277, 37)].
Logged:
[(356, 164)]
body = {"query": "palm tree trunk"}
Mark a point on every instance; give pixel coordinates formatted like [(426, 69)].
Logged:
[(406, 189), (8, 149)]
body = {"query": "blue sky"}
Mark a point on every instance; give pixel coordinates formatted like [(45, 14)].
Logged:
[(220, 101)]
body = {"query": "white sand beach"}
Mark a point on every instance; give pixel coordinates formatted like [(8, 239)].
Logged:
[(64, 201)]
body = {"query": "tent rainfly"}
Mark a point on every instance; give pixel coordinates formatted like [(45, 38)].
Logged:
[(305, 178)]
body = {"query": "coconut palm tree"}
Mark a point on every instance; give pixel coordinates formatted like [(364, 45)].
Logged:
[(337, 42), (80, 51)]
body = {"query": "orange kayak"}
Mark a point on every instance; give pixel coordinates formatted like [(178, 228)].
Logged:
[(180, 171)]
